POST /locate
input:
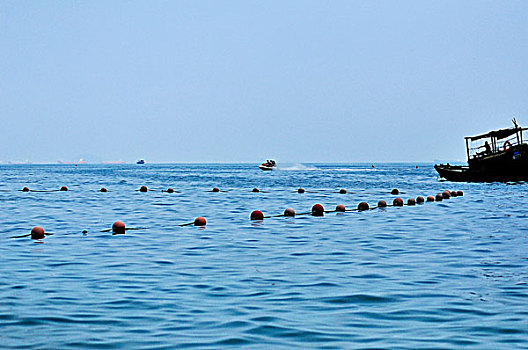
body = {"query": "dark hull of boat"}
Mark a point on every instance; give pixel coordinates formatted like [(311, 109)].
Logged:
[(510, 165), (266, 168)]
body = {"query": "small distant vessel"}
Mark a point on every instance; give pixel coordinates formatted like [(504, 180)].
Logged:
[(502, 157), (80, 161), (141, 161), (268, 165)]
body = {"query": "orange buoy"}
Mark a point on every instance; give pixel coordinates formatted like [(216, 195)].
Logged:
[(118, 228), (64, 188), (382, 204), (170, 190), (200, 221), (143, 189), (453, 193), (342, 191), (411, 201), (256, 215), (255, 190), (340, 208), (439, 197), (103, 189), (395, 191), (216, 189), (289, 212), (25, 189), (460, 193), (300, 190), (430, 198), (420, 199), (446, 194), (37, 232), (318, 210), (363, 206), (397, 202)]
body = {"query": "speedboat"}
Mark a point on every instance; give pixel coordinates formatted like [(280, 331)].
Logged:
[(268, 165), (502, 157)]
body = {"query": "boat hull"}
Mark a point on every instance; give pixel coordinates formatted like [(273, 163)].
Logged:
[(509, 165)]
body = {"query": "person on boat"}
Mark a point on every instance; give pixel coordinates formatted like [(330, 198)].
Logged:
[(487, 149)]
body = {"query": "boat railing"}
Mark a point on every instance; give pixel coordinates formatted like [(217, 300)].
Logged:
[(479, 150)]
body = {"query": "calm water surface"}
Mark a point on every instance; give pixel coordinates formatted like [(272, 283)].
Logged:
[(448, 274)]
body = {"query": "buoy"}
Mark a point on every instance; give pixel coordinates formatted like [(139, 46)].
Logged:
[(417, 167), (446, 194), (143, 189), (103, 189), (340, 208), (363, 206), (460, 193), (37, 232), (118, 228), (318, 210), (300, 190), (216, 189), (170, 190), (342, 191), (395, 191), (420, 199), (382, 204), (255, 190), (439, 197), (453, 193), (256, 215), (25, 189), (200, 221), (289, 212), (373, 166), (430, 198), (64, 188), (411, 201), (397, 202)]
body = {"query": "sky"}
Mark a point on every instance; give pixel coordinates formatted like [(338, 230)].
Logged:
[(244, 81)]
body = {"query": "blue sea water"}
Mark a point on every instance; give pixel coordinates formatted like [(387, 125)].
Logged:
[(450, 274)]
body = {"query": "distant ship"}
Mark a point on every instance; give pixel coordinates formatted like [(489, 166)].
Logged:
[(141, 161), (80, 161)]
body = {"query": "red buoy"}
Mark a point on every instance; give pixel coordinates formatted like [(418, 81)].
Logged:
[(318, 210), (143, 189), (382, 204), (460, 193), (256, 215), (411, 201), (446, 194), (363, 206), (395, 191), (25, 189), (255, 190), (342, 191), (340, 208), (420, 199), (118, 228), (430, 198), (453, 193), (37, 232), (103, 189), (289, 212), (64, 188), (300, 190), (439, 197), (216, 189), (170, 190), (397, 202), (200, 221)]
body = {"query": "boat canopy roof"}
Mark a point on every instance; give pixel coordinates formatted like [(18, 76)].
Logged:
[(498, 134)]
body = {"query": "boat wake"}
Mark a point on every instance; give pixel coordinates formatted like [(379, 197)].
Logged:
[(297, 167)]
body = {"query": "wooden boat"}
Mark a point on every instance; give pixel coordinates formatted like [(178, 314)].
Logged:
[(502, 157), (268, 165)]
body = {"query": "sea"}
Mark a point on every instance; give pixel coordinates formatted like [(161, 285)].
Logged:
[(446, 274)]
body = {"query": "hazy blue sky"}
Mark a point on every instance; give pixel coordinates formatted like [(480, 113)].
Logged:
[(242, 81)]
